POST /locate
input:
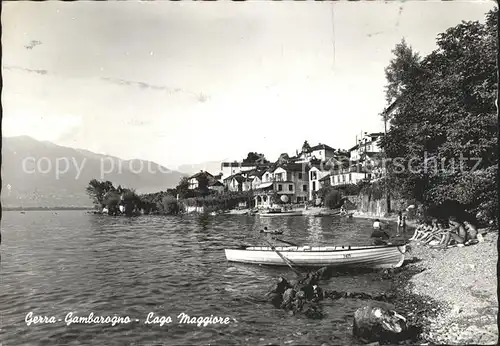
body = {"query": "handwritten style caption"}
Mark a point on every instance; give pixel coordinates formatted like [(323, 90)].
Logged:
[(151, 319)]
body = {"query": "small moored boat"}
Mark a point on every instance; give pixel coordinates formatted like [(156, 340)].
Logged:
[(377, 256), (270, 231), (282, 213)]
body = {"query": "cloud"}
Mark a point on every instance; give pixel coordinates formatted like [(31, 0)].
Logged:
[(200, 97), (33, 44), (19, 68)]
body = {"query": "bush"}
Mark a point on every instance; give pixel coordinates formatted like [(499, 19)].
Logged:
[(332, 199), (170, 205), (349, 189)]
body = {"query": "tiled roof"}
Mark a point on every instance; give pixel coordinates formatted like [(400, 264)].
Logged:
[(322, 146), (326, 177), (239, 178), (199, 174), (354, 147), (215, 183), (294, 167)]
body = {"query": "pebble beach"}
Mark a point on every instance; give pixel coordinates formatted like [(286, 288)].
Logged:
[(464, 281)]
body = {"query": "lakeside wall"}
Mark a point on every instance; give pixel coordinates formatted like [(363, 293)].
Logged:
[(376, 207)]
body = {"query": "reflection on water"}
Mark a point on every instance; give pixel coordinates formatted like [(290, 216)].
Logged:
[(53, 264), (315, 230)]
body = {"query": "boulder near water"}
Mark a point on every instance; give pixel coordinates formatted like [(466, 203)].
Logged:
[(373, 324)]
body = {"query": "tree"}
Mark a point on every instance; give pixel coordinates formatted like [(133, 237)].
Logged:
[(306, 147), (183, 187), (445, 123), (401, 70), (332, 199), (254, 157), (131, 201), (97, 190), (170, 205), (111, 201), (203, 181)]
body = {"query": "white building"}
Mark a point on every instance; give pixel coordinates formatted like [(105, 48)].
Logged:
[(320, 152), (369, 143), (231, 168), (316, 173), (289, 179)]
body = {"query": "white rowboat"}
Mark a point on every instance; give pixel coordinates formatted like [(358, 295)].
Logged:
[(378, 256), (283, 213)]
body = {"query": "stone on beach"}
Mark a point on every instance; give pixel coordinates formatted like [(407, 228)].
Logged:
[(378, 324)]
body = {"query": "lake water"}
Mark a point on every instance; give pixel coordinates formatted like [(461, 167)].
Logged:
[(53, 263)]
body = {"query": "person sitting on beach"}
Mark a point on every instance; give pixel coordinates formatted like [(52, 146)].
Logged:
[(455, 235), (472, 234), (418, 230), (422, 231), (430, 229), (436, 234)]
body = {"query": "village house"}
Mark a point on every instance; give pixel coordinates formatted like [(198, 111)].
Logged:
[(234, 182), (194, 180), (253, 179), (367, 154), (350, 175), (216, 185), (290, 179), (320, 152), (368, 144), (212, 183), (230, 168), (316, 173)]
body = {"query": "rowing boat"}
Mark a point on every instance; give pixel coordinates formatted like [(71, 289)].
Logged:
[(378, 256), (281, 213), (276, 231)]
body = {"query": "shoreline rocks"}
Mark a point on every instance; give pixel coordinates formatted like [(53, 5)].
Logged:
[(376, 324)]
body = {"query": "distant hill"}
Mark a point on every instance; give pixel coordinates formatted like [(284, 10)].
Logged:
[(212, 167), (30, 177)]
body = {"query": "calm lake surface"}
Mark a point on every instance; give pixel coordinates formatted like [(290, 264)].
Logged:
[(53, 263)]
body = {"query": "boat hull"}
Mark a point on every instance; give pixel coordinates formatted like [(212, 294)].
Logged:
[(362, 256), (281, 214)]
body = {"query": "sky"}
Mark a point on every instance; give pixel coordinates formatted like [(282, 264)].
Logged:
[(188, 82)]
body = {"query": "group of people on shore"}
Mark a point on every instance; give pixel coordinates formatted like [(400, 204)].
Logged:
[(438, 233), (435, 233)]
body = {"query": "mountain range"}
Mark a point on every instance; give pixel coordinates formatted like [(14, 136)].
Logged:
[(213, 167), (43, 174)]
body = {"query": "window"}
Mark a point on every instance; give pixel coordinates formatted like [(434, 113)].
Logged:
[(304, 188), (290, 187), (300, 175), (280, 187)]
